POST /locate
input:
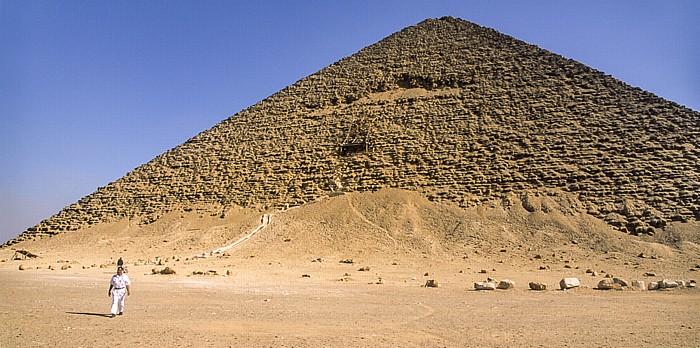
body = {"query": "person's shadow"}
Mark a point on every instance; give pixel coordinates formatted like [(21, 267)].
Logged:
[(92, 314)]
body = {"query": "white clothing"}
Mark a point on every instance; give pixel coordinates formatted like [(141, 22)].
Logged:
[(120, 281), (119, 284)]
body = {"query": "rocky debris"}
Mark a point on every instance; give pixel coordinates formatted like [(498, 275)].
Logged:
[(620, 281), (692, 283), (348, 261), (306, 276), (363, 269), (569, 283), (505, 284), (639, 285), (608, 284), (537, 286), (167, 270), (65, 267), (667, 284), (544, 121), (653, 286), (432, 283), (22, 267), (484, 286)]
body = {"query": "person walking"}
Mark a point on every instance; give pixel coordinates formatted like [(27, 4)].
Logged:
[(119, 288)]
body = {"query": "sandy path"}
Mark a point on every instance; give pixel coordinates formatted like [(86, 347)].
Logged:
[(260, 309)]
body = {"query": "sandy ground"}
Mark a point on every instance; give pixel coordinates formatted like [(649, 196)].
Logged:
[(286, 286), (277, 306)]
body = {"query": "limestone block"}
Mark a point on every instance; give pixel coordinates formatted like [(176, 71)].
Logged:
[(484, 286), (569, 283)]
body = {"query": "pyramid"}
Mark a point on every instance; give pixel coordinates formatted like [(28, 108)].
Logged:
[(457, 112)]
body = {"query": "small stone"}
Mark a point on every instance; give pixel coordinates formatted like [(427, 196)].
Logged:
[(606, 284), (569, 283), (432, 283), (483, 271), (22, 267), (484, 286), (167, 270), (364, 269), (505, 284), (667, 284), (653, 286), (639, 285), (649, 274), (537, 286)]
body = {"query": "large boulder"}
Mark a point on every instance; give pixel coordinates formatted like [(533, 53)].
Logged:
[(569, 283)]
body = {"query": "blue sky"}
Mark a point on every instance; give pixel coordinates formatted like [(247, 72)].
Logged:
[(89, 90)]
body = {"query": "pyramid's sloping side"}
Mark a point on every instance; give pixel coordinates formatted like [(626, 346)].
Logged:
[(456, 111)]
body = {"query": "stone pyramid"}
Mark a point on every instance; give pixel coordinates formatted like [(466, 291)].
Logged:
[(455, 111)]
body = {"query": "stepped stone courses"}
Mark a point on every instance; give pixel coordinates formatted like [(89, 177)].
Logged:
[(456, 111)]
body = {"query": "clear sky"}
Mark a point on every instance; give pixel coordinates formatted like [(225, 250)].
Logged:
[(90, 90)]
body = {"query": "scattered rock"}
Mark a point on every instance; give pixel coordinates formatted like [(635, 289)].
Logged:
[(569, 283), (667, 284), (229, 273), (167, 270), (653, 286), (347, 261), (305, 276), (649, 274), (484, 286), (432, 283), (483, 271), (639, 285), (506, 284), (608, 284), (363, 269), (620, 281), (692, 283), (22, 268), (65, 267), (537, 286)]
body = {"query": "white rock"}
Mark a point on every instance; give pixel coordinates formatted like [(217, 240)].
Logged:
[(484, 286), (568, 283), (681, 283), (653, 286), (665, 284)]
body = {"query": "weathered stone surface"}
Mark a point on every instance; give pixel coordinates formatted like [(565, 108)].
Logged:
[(667, 284), (653, 286), (607, 284), (168, 270), (620, 281), (432, 283), (484, 286), (569, 283), (541, 120), (506, 284), (639, 285), (537, 286)]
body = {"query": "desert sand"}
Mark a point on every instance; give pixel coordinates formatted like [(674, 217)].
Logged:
[(350, 270)]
